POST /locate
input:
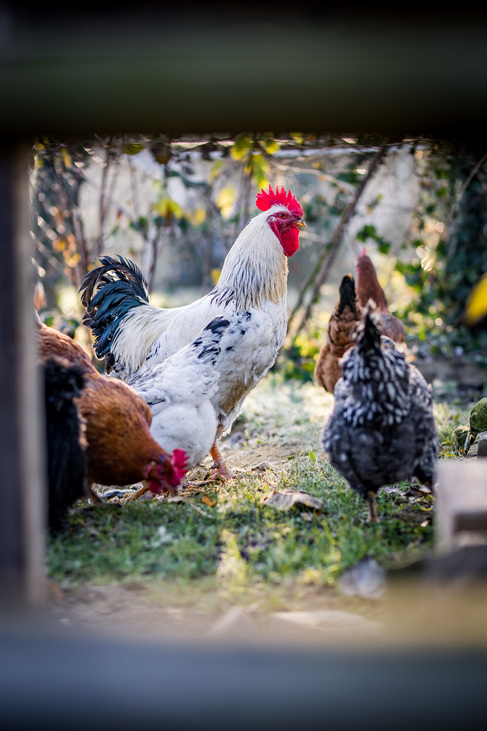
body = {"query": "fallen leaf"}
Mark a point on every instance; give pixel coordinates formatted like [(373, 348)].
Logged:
[(261, 467), (418, 491), (393, 491), (286, 499), (208, 501)]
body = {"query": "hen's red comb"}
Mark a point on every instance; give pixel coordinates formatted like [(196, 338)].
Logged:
[(264, 200), (179, 461)]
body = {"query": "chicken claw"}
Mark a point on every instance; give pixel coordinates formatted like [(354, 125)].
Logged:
[(221, 468)]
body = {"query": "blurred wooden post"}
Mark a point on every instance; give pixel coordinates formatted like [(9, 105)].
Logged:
[(21, 472)]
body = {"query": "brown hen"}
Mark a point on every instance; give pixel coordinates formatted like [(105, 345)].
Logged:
[(368, 288), (120, 448), (343, 321)]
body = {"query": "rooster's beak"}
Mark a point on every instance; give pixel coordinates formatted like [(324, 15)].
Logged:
[(299, 223)]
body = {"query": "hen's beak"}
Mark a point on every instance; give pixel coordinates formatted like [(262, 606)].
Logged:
[(299, 223)]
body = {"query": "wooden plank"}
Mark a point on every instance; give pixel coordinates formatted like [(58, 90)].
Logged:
[(55, 681), (21, 475), (461, 503), (182, 71)]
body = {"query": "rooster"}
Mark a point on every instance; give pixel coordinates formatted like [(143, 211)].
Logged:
[(65, 440), (120, 449), (339, 337), (133, 335), (368, 288), (382, 428), (179, 390)]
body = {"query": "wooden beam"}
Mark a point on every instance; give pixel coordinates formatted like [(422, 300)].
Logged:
[(22, 504)]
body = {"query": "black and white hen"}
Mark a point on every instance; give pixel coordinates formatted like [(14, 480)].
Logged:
[(382, 428)]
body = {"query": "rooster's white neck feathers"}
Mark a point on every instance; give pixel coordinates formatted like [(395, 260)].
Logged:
[(255, 269)]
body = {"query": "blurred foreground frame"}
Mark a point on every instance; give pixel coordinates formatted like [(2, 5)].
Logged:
[(144, 69)]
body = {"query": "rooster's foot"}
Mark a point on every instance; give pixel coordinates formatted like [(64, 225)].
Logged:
[(220, 469)]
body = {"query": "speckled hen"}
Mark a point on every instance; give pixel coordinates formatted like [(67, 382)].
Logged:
[(382, 428)]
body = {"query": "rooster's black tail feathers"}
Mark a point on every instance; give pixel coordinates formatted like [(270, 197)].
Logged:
[(108, 292)]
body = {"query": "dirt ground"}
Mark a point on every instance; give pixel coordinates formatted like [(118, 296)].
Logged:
[(208, 613), (290, 615)]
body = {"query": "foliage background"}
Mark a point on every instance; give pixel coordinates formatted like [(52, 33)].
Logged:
[(175, 206)]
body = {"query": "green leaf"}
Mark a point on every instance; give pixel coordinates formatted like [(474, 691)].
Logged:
[(270, 145), (241, 147), (168, 208), (225, 200), (132, 148)]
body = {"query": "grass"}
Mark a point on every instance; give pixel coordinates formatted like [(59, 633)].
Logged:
[(228, 535)]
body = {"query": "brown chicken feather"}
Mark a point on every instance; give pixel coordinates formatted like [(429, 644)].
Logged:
[(343, 321), (120, 448), (368, 288)]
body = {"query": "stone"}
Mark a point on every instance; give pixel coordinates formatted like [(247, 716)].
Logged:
[(478, 417), (479, 447), (365, 579), (461, 503)]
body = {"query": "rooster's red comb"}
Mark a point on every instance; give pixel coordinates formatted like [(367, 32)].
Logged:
[(264, 200)]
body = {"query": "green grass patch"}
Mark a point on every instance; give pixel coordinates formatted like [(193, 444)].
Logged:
[(229, 534)]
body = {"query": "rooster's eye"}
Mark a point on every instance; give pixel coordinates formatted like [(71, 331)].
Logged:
[(281, 215)]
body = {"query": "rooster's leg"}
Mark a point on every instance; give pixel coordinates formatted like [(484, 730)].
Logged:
[(372, 507), (221, 468)]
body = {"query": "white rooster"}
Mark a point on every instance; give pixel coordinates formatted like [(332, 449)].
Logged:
[(133, 335), (179, 391)]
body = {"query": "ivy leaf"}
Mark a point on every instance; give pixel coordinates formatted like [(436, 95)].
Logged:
[(140, 224), (270, 145), (241, 147), (132, 148), (68, 162), (225, 200), (368, 231), (477, 303), (214, 171), (168, 208), (384, 247)]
